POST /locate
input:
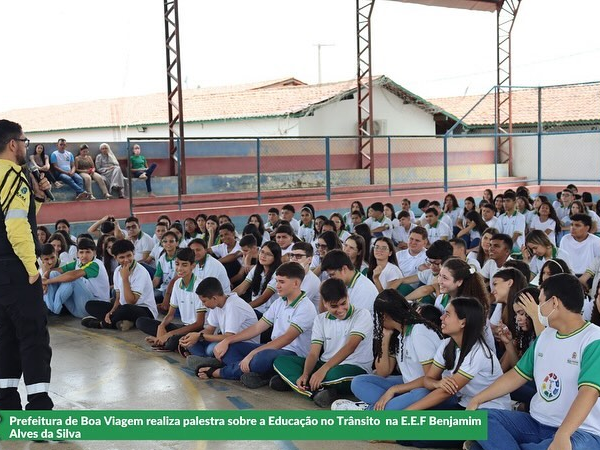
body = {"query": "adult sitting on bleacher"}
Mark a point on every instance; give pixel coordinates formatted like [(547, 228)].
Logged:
[(84, 165), (108, 166), (63, 165)]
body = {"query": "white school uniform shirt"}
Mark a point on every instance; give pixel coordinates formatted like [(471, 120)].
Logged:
[(156, 251), (513, 224), (95, 278), (236, 315), (426, 277), (143, 243), (447, 219), (492, 223), (220, 250), (300, 314), (186, 301), (333, 333), (481, 367), (583, 253), (140, 283), (362, 292), (454, 215), (389, 273), (270, 286), (420, 346), (311, 285), (490, 268), (165, 269), (399, 233), (561, 212), (536, 263), (307, 233), (343, 235), (409, 264), (373, 224), (536, 224), (560, 365), (438, 231), (212, 267), (295, 224)]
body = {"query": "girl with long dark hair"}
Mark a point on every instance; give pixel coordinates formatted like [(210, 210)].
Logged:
[(403, 338), (383, 265), (472, 231)]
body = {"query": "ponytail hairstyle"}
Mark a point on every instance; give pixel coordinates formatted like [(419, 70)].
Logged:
[(473, 284), (471, 311), (395, 307), (255, 286)]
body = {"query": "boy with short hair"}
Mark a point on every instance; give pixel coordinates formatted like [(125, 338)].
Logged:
[(272, 220), (361, 290), (74, 284), (229, 315), (512, 222), (291, 318), (341, 348), (401, 234), (165, 335), (287, 214), (207, 266), (165, 265), (378, 223), (228, 252), (302, 253), (436, 229), (134, 295)]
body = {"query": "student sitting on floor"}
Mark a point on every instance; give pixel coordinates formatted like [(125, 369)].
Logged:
[(228, 251), (165, 335), (403, 338), (563, 362), (344, 336), (134, 295), (229, 314), (74, 284), (291, 318), (165, 266)]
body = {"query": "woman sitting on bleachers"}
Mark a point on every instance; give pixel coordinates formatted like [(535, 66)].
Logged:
[(108, 166), (84, 165)]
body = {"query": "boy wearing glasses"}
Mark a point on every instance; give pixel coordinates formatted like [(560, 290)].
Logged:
[(302, 253), (142, 242)]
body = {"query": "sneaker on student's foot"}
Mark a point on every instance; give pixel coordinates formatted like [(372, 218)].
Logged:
[(125, 325), (91, 322), (278, 384), (348, 405), (253, 380), (325, 397)]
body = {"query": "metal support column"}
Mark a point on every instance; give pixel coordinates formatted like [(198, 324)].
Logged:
[(174, 93), (507, 12), (364, 79)]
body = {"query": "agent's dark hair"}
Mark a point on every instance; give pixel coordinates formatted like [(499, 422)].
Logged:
[(291, 270), (200, 242), (255, 286), (423, 203), (432, 210), (333, 290), (583, 218), (228, 226), (473, 284), (336, 260), (251, 230), (471, 311), (377, 206), (186, 254), (519, 265), (422, 231), (46, 231), (403, 214), (177, 226), (132, 219), (519, 282), (248, 240), (393, 304), (209, 287), (273, 211), (480, 224), (391, 257), (360, 245), (331, 239), (122, 246), (523, 338), (555, 266), (566, 288), (164, 218), (86, 244), (8, 130), (289, 208), (47, 249), (440, 250), (261, 223), (61, 238), (506, 240)]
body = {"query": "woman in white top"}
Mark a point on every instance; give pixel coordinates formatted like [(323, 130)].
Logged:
[(306, 232), (404, 339), (577, 207), (524, 207), (326, 242), (259, 277), (383, 265), (60, 247), (355, 206), (390, 213), (546, 220), (538, 249), (463, 365), (469, 205), (452, 209), (340, 226)]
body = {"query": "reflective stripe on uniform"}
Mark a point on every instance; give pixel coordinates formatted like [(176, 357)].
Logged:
[(9, 383), (37, 388), (16, 214)]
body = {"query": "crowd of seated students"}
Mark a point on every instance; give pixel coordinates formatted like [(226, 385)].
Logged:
[(492, 305)]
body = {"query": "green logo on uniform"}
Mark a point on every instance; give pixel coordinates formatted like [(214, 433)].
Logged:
[(23, 190)]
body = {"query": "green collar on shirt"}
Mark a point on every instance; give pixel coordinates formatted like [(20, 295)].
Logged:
[(190, 286), (354, 278), (348, 314), (201, 263), (445, 300), (408, 329), (296, 300), (577, 331), (436, 223), (554, 252)]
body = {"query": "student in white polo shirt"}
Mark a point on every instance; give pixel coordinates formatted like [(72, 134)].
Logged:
[(488, 214), (291, 317), (500, 247), (207, 266), (228, 252), (512, 222), (581, 246), (378, 223), (361, 290), (341, 348), (287, 214), (165, 335), (134, 295), (436, 229), (383, 265), (413, 257), (302, 253), (228, 315), (143, 243), (165, 265), (401, 233), (564, 363)]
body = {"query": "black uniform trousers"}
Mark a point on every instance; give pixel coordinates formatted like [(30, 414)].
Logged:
[(24, 339)]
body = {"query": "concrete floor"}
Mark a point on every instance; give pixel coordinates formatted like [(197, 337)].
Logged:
[(93, 369)]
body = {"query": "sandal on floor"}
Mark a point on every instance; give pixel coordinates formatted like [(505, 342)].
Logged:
[(209, 373), (183, 351)]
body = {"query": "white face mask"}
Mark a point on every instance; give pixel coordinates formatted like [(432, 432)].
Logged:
[(544, 319)]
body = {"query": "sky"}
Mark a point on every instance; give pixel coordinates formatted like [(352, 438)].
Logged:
[(63, 51)]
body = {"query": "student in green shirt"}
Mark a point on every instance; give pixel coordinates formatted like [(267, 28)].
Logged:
[(140, 168)]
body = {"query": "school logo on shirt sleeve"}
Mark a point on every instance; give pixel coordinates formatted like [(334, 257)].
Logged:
[(551, 387)]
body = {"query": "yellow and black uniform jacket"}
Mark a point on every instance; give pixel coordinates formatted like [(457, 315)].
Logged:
[(18, 233)]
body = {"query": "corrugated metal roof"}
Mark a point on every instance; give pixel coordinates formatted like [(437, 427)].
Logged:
[(478, 5)]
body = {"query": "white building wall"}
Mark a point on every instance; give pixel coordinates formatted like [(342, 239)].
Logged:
[(340, 119)]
